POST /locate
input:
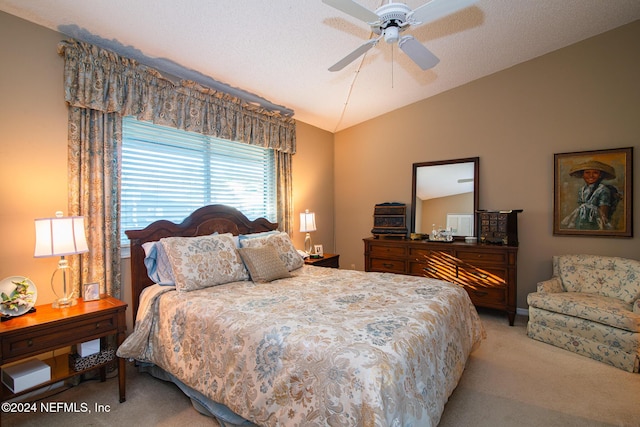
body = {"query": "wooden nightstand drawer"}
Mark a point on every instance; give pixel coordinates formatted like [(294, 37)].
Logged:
[(99, 325), (58, 335)]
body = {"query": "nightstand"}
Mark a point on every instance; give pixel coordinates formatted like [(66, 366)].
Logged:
[(49, 329), (328, 260)]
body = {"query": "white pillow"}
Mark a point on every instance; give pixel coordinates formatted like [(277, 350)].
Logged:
[(283, 244), (204, 261), (157, 263), (257, 235)]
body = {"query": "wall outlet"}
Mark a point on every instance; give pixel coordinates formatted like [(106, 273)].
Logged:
[(353, 266)]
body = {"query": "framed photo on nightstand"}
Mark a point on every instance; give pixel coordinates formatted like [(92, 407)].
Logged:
[(319, 250), (91, 291)]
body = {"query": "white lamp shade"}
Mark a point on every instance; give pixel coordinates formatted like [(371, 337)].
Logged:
[(307, 221), (60, 236)]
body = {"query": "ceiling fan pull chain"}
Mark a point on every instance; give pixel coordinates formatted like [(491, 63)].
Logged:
[(392, 66)]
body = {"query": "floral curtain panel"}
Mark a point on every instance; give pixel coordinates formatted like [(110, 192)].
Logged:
[(100, 81), (94, 157), (284, 193)]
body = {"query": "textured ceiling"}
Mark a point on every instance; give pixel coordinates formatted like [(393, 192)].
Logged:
[(279, 50)]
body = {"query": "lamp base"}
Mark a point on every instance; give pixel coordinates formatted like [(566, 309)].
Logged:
[(67, 299), (308, 247), (64, 302)]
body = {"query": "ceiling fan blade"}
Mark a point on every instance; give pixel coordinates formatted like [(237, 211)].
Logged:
[(436, 9), (354, 9), (418, 53), (353, 55)]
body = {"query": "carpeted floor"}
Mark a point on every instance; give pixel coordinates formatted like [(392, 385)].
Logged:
[(510, 380)]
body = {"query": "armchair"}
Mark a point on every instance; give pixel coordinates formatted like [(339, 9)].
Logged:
[(591, 306)]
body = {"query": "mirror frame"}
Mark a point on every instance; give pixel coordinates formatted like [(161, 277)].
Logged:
[(476, 188)]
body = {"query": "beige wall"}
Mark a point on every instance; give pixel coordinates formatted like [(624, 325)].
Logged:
[(33, 141), (33, 156), (584, 97), (313, 184)]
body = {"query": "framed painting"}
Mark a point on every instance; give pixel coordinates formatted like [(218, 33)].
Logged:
[(593, 193)]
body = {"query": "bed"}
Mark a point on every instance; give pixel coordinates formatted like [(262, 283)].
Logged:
[(256, 337)]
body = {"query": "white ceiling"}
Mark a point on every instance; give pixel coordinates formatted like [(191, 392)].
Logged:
[(280, 50)]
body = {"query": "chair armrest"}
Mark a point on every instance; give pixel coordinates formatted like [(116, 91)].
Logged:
[(551, 286)]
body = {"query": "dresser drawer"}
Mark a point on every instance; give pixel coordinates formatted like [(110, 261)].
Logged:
[(487, 276), (434, 270), (387, 251), (487, 297), (58, 335), (422, 253), (387, 265), (484, 257)]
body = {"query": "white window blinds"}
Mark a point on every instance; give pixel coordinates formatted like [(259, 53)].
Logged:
[(169, 173)]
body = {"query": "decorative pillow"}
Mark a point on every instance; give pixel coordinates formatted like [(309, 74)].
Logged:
[(264, 264), (283, 244), (157, 263), (204, 261)]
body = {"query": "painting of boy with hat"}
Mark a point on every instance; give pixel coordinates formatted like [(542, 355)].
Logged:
[(596, 201)]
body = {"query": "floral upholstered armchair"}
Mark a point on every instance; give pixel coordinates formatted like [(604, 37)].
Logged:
[(590, 306)]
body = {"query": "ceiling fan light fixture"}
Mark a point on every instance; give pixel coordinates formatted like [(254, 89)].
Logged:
[(391, 34)]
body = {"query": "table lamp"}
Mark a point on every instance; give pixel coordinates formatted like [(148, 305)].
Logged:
[(61, 236), (307, 224)]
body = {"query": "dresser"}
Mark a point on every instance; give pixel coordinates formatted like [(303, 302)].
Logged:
[(487, 272)]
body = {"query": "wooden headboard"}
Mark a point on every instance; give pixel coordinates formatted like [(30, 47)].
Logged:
[(203, 221)]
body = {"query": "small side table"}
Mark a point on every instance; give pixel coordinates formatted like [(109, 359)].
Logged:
[(328, 260), (49, 329)]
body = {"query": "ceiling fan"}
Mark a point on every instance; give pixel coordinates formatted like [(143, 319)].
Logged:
[(390, 20)]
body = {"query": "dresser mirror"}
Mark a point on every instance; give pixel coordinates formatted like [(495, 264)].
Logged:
[(445, 194)]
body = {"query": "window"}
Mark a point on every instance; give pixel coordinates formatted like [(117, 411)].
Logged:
[(168, 173)]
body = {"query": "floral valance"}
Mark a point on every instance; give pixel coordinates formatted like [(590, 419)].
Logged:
[(102, 80)]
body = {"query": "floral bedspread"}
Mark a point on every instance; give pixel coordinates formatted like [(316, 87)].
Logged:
[(326, 347)]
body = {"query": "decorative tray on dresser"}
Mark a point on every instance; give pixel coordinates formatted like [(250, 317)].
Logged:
[(487, 272)]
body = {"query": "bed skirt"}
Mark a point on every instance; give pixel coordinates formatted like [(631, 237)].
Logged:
[(225, 416)]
